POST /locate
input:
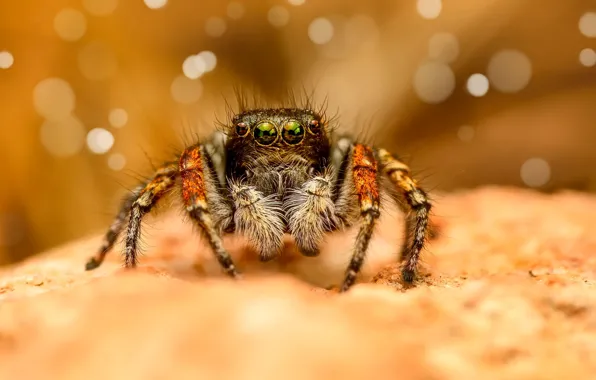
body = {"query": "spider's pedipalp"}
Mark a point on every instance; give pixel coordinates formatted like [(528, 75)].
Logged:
[(132, 204), (310, 213), (364, 176), (417, 224), (259, 218), (198, 180)]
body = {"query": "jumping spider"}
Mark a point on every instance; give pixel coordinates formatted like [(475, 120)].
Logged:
[(275, 171)]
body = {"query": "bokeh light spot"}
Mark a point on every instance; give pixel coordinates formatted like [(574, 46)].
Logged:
[(97, 61), (235, 10), (53, 98), (509, 71), (587, 57), (320, 31), (6, 59), (429, 9), (340, 45), (209, 59), (70, 24), (535, 172), (100, 140), (278, 16), (100, 7), (466, 133), (296, 2), (118, 117), (64, 137), (587, 24), (215, 26), (186, 91), (193, 67), (443, 47), (116, 161), (155, 4), (434, 82), (477, 85)]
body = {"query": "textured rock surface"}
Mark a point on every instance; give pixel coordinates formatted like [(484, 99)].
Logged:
[(507, 292)]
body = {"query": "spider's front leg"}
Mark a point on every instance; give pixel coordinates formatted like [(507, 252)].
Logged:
[(137, 204), (198, 180), (417, 224), (364, 175)]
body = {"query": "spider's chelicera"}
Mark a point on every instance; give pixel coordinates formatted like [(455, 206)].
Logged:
[(278, 171)]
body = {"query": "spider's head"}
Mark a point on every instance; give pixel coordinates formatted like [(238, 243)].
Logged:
[(278, 137)]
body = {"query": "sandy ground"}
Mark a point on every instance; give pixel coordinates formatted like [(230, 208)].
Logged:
[(507, 291)]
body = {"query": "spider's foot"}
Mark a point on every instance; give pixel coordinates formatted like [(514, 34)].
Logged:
[(408, 275), (347, 284), (92, 264), (233, 273)]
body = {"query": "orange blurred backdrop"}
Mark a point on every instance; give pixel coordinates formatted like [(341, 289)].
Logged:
[(93, 92)]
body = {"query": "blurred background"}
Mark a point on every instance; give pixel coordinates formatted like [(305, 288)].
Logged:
[(95, 92)]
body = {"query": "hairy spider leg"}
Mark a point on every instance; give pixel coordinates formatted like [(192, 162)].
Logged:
[(417, 224), (114, 230), (365, 181), (162, 181), (194, 177)]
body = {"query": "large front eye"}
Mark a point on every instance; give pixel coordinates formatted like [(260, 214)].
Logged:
[(292, 133), (265, 133)]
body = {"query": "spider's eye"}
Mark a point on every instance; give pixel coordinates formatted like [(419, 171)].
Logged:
[(292, 132), (314, 126), (242, 129), (265, 133)]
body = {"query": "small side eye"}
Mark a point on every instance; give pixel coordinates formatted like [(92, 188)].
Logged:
[(314, 127), (242, 129)]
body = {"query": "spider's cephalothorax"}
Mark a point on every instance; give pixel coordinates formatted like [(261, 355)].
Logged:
[(278, 171), (276, 149)]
